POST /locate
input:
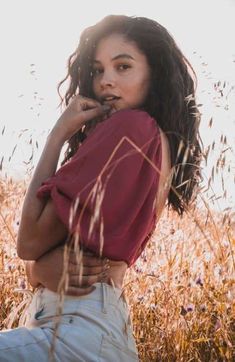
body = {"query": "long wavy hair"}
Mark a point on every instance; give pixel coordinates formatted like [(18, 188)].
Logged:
[(171, 99)]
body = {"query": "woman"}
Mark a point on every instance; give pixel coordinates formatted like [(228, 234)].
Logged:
[(132, 126)]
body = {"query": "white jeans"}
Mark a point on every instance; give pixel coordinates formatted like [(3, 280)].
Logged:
[(92, 328)]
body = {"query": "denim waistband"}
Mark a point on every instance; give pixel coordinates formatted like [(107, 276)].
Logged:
[(105, 308), (48, 303), (103, 292)]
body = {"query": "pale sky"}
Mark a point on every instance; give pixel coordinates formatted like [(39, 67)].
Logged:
[(37, 37)]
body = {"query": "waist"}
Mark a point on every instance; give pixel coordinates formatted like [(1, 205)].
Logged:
[(47, 305), (53, 297), (116, 273)]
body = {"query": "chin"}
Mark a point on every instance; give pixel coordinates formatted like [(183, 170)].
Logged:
[(115, 109)]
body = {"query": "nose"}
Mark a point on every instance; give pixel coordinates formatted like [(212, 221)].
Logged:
[(107, 79)]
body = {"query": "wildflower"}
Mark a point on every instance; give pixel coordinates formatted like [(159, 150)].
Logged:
[(203, 308), (190, 308), (152, 306), (137, 269), (183, 311), (199, 282), (22, 284)]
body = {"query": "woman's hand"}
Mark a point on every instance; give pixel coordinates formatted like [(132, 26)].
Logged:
[(48, 270), (79, 111)]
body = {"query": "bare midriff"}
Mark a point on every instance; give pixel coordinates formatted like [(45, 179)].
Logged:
[(116, 273)]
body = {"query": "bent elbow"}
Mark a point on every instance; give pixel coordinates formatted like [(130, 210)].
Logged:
[(25, 251), (24, 255)]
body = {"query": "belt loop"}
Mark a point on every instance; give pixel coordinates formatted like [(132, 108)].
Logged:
[(103, 298), (127, 323)]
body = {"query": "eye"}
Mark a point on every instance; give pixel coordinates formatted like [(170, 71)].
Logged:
[(123, 66), (97, 71)]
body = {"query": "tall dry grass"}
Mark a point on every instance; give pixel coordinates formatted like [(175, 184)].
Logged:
[(181, 291)]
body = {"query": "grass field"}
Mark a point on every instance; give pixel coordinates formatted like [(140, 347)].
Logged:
[(181, 291)]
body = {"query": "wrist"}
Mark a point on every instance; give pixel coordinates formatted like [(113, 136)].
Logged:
[(57, 136)]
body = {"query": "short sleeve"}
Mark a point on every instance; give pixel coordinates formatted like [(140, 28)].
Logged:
[(106, 193)]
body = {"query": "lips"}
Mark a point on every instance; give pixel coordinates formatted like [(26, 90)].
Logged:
[(109, 98)]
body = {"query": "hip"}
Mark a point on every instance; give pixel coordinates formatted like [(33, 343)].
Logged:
[(101, 317)]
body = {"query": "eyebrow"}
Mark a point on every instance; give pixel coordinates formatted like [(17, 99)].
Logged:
[(123, 55)]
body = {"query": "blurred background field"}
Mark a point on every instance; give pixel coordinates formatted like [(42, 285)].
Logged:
[(182, 290)]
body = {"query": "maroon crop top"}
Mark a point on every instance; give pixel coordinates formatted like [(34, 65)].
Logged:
[(106, 192)]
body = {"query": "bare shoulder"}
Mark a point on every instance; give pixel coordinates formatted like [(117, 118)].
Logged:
[(165, 175), (166, 155)]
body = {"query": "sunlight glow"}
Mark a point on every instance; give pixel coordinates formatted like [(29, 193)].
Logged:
[(37, 38)]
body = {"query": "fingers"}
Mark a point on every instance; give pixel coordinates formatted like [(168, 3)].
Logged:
[(96, 267), (77, 113), (87, 259), (86, 281), (91, 108), (85, 269), (94, 270), (85, 103), (94, 112)]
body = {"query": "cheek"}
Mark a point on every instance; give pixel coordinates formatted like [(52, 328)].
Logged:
[(95, 87), (142, 89), (145, 87)]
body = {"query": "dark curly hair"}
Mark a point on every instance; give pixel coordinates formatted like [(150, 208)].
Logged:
[(171, 99)]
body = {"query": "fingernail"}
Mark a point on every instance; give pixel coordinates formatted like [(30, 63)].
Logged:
[(106, 267)]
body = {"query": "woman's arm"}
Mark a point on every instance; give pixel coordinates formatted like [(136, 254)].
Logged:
[(40, 229), (32, 277), (43, 271)]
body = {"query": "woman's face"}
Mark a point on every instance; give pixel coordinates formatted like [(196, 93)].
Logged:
[(121, 74)]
